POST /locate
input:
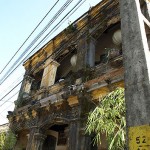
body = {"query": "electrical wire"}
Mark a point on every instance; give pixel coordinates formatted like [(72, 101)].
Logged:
[(13, 83), (22, 80), (29, 36), (5, 109), (51, 30), (9, 98), (57, 26), (31, 71), (11, 90), (67, 16), (6, 76), (38, 36)]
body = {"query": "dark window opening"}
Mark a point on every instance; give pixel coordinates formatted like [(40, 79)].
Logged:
[(62, 137), (65, 66), (105, 48), (49, 143)]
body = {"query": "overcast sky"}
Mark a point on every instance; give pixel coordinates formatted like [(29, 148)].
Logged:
[(18, 19)]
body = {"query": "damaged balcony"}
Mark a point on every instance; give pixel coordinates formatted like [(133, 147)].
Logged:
[(56, 95), (97, 75)]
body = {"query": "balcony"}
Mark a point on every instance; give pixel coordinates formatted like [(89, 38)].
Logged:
[(54, 100), (71, 85)]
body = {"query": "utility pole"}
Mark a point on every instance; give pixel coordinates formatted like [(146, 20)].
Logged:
[(137, 74)]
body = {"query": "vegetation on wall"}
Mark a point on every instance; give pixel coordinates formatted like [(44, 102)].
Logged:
[(71, 28), (7, 140), (109, 118)]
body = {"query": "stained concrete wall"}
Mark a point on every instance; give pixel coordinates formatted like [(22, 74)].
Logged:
[(136, 63)]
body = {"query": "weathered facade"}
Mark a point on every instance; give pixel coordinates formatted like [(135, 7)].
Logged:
[(65, 78)]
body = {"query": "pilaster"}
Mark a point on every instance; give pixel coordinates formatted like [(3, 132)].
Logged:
[(49, 73), (81, 53), (27, 84), (35, 140), (91, 52), (38, 141), (73, 135)]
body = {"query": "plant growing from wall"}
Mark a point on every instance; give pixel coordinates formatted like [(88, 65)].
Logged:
[(7, 140), (109, 118), (71, 28)]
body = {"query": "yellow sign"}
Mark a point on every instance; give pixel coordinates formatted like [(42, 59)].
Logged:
[(139, 138)]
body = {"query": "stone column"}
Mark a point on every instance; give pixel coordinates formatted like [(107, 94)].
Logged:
[(73, 134), (84, 140), (30, 140), (27, 84), (91, 52), (85, 105), (137, 64), (85, 53), (35, 140), (77, 140), (81, 54), (49, 73), (25, 88), (38, 141)]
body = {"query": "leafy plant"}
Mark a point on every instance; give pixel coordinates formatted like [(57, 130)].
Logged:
[(7, 140), (109, 118)]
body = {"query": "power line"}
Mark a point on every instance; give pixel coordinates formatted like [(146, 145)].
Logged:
[(5, 109), (13, 83), (29, 36), (11, 90), (6, 76), (9, 98), (39, 35), (63, 19), (66, 16), (57, 25), (62, 47)]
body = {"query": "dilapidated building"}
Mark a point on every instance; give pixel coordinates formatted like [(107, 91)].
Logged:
[(65, 78)]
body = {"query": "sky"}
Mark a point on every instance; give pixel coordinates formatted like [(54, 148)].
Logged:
[(18, 19)]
